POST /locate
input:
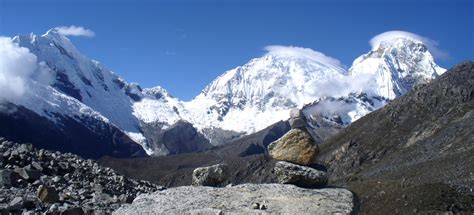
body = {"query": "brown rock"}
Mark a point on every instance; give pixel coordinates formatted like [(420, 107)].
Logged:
[(48, 194), (297, 146)]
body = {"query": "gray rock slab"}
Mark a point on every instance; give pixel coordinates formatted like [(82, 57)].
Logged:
[(277, 198)]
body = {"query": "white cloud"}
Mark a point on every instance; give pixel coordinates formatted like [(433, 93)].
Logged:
[(75, 31), (18, 67), (391, 35), (344, 85), (339, 86), (292, 51), (327, 107)]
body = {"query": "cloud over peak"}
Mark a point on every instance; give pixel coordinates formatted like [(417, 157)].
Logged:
[(18, 68), (388, 36), (77, 31), (299, 52)]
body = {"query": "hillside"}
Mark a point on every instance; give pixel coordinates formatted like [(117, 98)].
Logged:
[(418, 151)]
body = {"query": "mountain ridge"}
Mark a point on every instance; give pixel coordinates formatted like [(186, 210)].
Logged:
[(241, 101)]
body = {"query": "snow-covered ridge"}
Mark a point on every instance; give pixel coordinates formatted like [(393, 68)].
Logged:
[(244, 100), (79, 84)]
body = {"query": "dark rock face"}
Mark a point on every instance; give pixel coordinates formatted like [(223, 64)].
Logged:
[(41, 181), (64, 85), (129, 90), (423, 138), (252, 149), (26, 126), (182, 137)]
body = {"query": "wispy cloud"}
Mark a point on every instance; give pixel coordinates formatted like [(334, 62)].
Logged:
[(292, 51), (170, 53), (433, 46), (181, 33), (77, 31)]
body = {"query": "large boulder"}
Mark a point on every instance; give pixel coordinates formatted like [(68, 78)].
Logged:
[(296, 146), (211, 176), (48, 194), (243, 199), (28, 174), (288, 173)]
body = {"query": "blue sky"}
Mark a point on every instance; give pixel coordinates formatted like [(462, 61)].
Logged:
[(183, 45)]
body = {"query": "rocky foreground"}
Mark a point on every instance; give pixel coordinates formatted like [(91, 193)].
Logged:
[(38, 181), (243, 199), (301, 188)]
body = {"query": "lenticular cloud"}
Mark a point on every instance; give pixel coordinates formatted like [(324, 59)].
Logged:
[(391, 35), (292, 51)]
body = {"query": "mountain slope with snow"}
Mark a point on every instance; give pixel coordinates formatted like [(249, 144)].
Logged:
[(241, 101), (396, 65), (80, 89), (261, 92), (83, 79)]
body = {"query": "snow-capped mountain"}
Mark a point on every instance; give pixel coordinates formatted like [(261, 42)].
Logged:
[(391, 69), (87, 86), (241, 101), (396, 65), (261, 92)]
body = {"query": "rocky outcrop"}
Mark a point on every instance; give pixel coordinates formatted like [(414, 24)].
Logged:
[(213, 176), (296, 146), (302, 176), (42, 181), (181, 137), (242, 199)]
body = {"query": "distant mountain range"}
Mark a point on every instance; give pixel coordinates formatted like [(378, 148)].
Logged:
[(413, 156), (89, 110)]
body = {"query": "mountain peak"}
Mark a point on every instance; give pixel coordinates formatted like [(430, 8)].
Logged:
[(397, 62), (158, 92), (54, 34), (397, 38), (400, 41)]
